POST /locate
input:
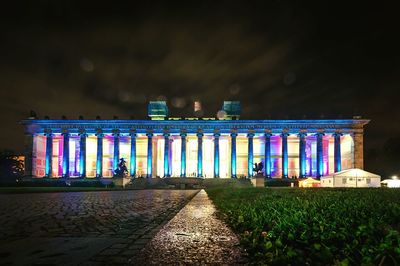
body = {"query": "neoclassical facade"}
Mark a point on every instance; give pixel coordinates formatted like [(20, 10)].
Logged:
[(192, 147)]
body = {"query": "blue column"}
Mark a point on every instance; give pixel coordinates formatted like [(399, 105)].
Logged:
[(302, 154), (82, 155), (320, 165), (132, 163), (170, 157), (285, 169), (183, 154), (216, 154), (337, 152), (116, 151), (166, 154), (250, 154), (99, 158), (199, 154), (267, 152), (233, 155), (149, 154), (49, 154), (65, 163)]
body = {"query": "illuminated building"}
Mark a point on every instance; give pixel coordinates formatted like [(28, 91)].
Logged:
[(164, 146)]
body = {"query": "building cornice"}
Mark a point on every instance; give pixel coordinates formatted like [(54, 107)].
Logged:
[(193, 126)]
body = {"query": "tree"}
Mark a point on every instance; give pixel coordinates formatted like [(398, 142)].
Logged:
[(11, 167)]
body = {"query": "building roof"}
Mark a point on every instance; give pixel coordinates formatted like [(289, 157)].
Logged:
[(354, 172)]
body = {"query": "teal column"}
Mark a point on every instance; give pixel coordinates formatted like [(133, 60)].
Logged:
[(337, 152), (170, 157), (216, 155), (116, 151), (250, 155), (302, 154), (49, 154), (82, 155), (200, 154), (267, 153), (132, 163), (319, 136), (166, 155), (285, 157), (183, 154), (99, 158), (149, 154), (65, 162), (233, 154)]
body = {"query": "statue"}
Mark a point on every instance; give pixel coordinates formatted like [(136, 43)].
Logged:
[(121, 171), (258, 167)]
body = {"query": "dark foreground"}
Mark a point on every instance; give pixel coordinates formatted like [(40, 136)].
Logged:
[(75, 228), (314, 226)]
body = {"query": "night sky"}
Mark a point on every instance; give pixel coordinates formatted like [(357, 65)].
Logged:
[(281, 59)]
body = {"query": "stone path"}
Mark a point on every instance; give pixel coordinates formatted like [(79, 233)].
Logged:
[(83, 228), (195, 236)]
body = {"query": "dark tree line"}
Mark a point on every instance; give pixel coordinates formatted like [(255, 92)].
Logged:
[(11, 167)]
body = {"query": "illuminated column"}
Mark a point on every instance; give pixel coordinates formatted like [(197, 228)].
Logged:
[(99, 158), (337, 154), (170, 157), (183, 154), (216, 154), (166, 155), (149, 153), (358, 149), (268, 154), (49, 153), (199, 154), (284, 136), (65, 162), (302, 154), (250, 154), (320, 165), (116, 150), (132, 166), (233, 154), (82, 154)]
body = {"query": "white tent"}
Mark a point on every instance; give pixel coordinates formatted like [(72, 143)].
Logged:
[(392, 183), (351, 178), (309, 182)]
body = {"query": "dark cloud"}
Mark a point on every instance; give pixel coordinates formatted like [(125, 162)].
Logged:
[(281, 59)]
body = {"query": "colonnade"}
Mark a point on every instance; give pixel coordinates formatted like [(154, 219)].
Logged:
[(183, 135)]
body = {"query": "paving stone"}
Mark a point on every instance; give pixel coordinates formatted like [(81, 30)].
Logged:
[(120, 246), (110, 251), (96, 221), (131, 252)]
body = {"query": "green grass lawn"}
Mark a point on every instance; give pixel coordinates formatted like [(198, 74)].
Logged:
[(317, 226)]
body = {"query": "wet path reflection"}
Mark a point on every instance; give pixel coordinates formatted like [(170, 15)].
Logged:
[(194, 236)]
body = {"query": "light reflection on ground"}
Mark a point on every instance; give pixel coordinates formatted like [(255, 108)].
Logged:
[(194, 236)]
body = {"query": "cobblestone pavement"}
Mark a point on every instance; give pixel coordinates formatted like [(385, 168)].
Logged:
[(195, 236), (86, 228)]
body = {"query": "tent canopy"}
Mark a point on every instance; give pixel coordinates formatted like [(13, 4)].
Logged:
[(309, 182), (355, 172)]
